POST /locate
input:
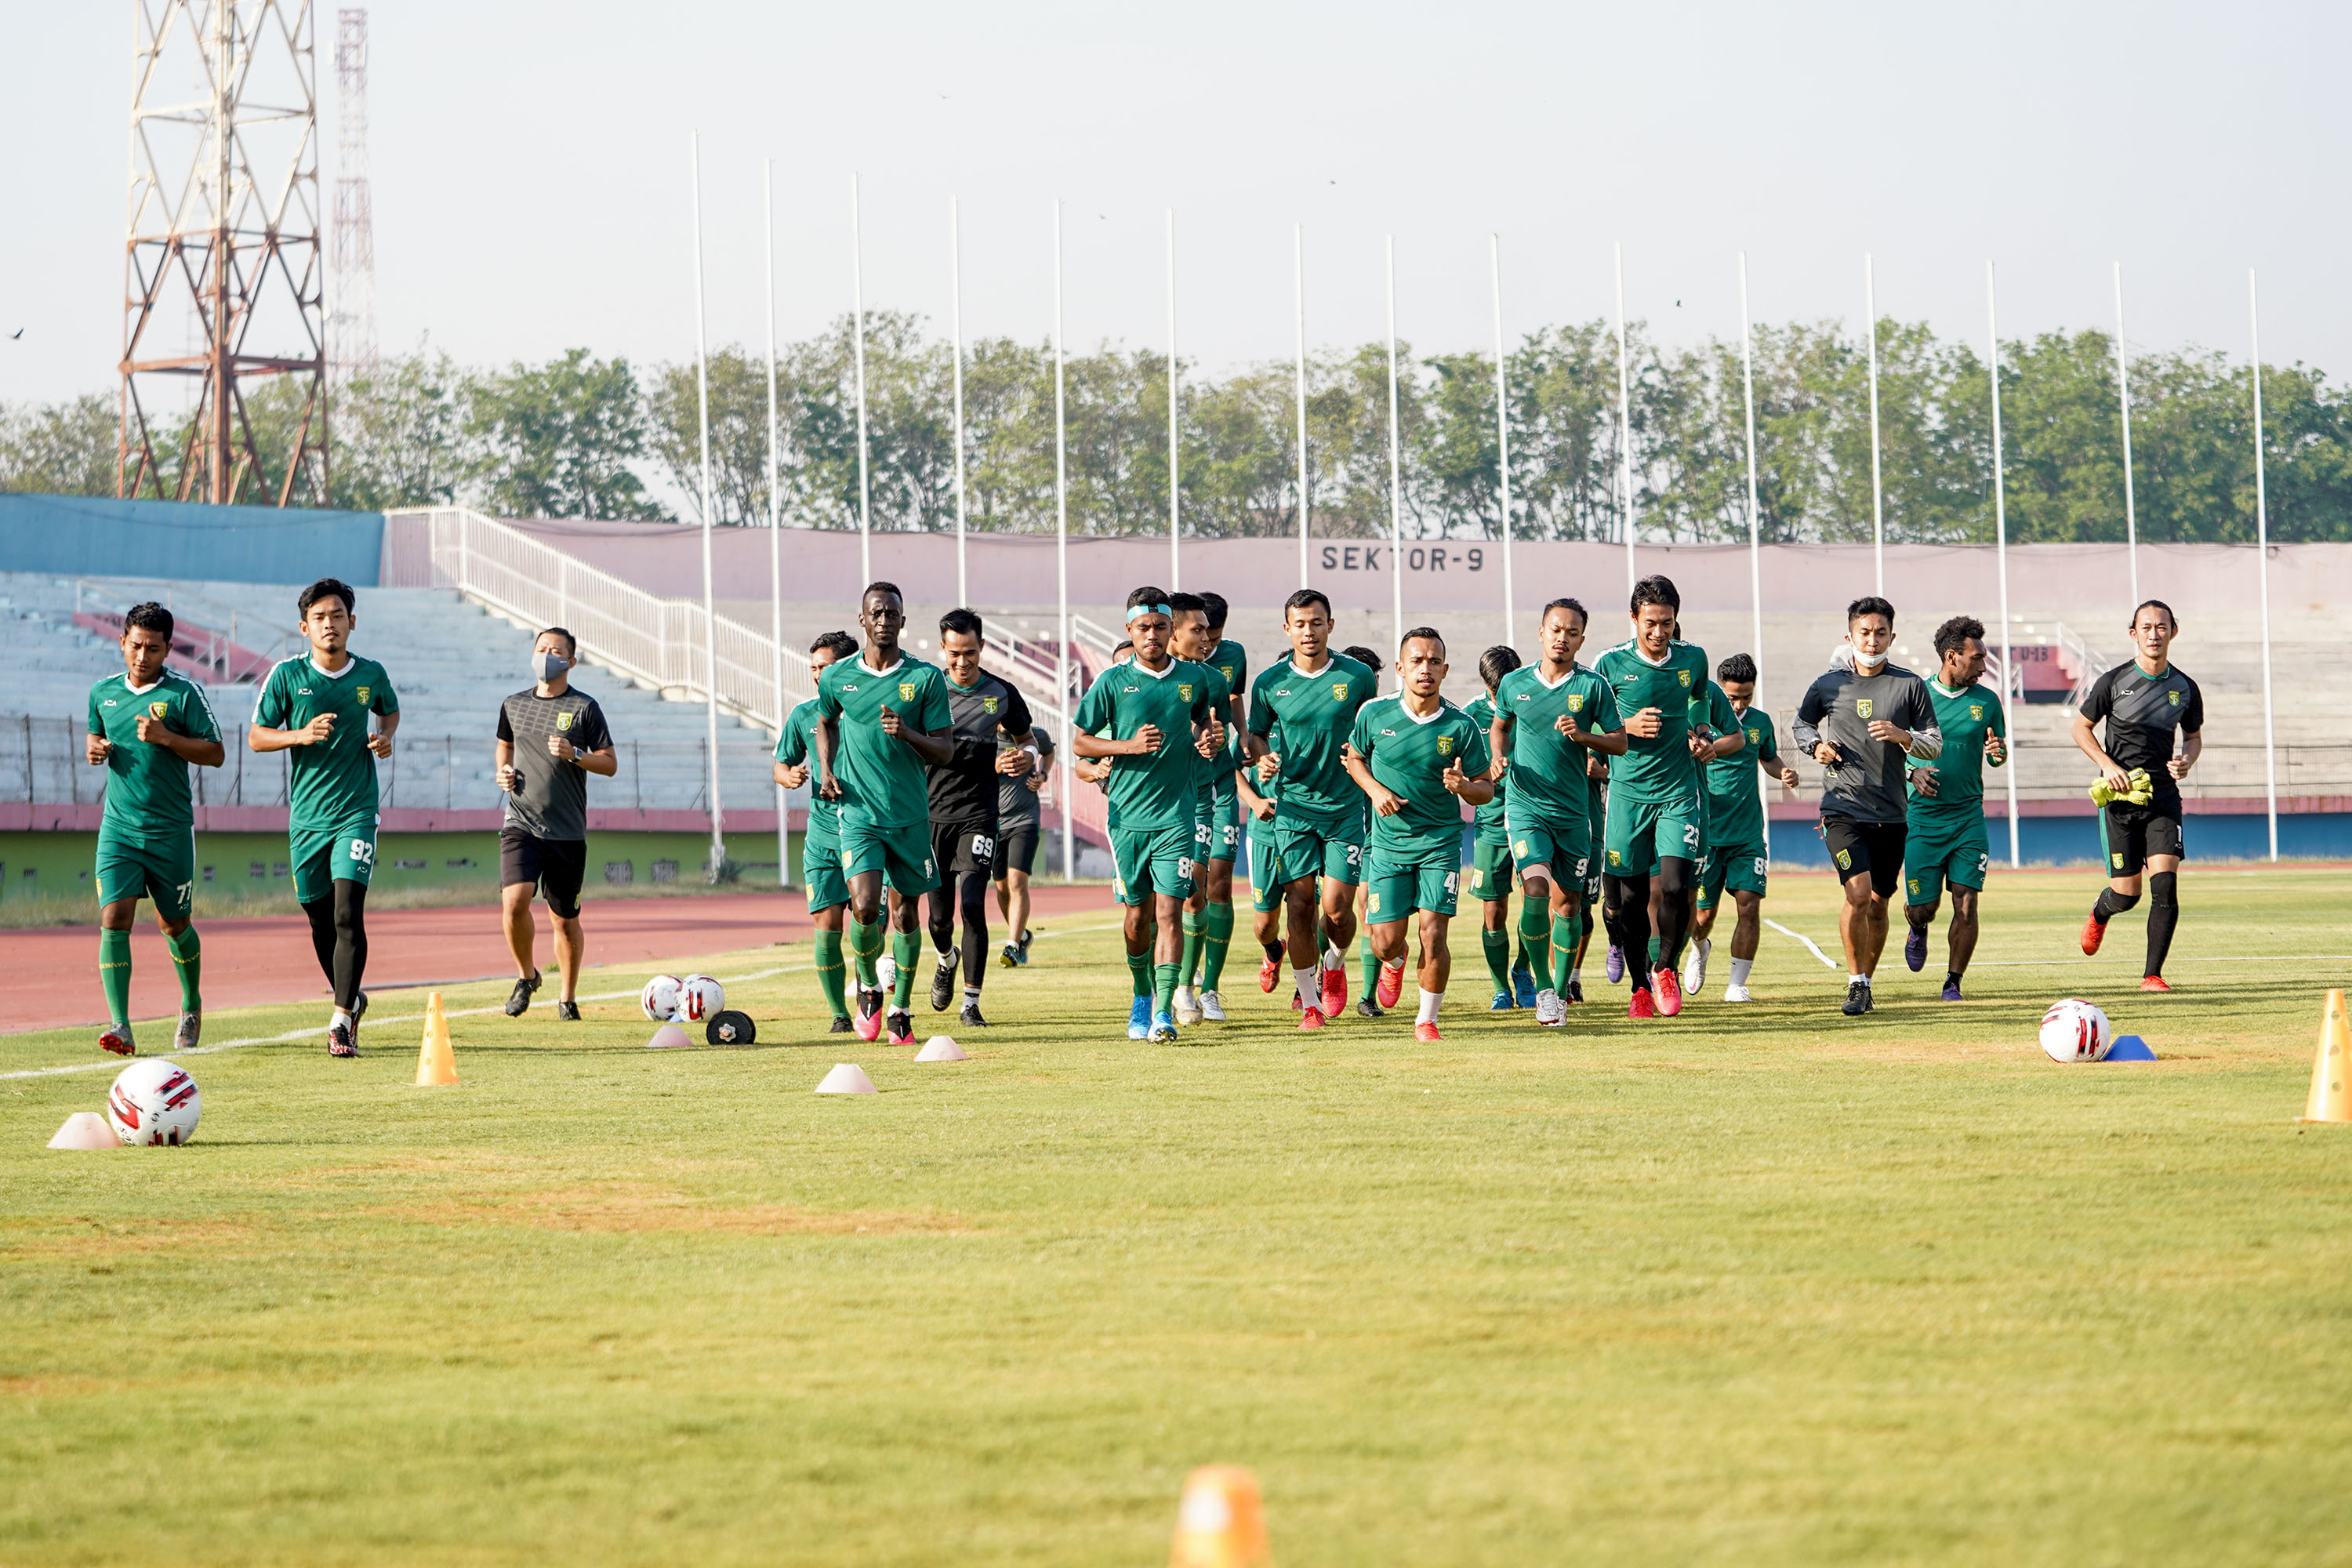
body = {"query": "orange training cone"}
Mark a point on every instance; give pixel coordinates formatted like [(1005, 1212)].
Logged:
[(2331, 1067), (436, 1063), (1221, 1523)]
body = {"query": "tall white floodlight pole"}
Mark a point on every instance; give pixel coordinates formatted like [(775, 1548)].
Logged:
[(955, 318), (2123, 397), (857, 316), (775, 535), (2008, 686), (2263, 562), (1877, 505), (1062, 567), (1175, 522), (1624, 423), (709, 606), (1298, 329), (1755, 535), (1502, 421), (1396, 464)]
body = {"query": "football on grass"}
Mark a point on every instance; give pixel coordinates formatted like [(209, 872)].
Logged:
[(660, 999), (700, 998), (153, 1102), (2076, 1031)]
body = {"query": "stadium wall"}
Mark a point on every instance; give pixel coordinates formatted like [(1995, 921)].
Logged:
[(83, 536)]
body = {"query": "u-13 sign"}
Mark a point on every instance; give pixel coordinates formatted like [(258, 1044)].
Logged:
[(1417, 557)]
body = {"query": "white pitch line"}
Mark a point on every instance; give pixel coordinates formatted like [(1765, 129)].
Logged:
[(292, 1034), (1816, 951)]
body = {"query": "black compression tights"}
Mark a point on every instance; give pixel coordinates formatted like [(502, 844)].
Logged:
[(339, 936), (1625, 910), (972, 903)]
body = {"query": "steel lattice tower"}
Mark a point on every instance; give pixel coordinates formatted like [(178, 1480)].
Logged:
[(350, 339), (223, 245)]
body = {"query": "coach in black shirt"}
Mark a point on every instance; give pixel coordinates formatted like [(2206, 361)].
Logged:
[(550, 738), (986, 716)]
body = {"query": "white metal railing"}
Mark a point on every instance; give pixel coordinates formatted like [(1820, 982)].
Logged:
[(652, 640)]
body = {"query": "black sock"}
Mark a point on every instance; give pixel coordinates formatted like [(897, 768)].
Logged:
[(1274, 950), (322, 913), (1678, 876), (1951, 977), (350, 942), (973, 904), (1632, 929), (2111, 904), (2163, 914)]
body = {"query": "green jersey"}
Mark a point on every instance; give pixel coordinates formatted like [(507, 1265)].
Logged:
[(1316, 712), (796, 747), (1230, 660), (1964, 719), (332, 782), (1208, 772), (884, 783), (147, 784), (1489, 817), (1659, 769), (1158, 791), (1408, 754), (1548, 768), (1735, 806)]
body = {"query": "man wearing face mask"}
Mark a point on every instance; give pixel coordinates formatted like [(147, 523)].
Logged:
[(550, 739), (1862, 725)]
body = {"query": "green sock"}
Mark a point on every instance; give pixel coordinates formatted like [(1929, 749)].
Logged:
[(1368, 962), (188, 953), (1654, 954), (114, 975), (1217, 938), (832, 978), (1163, 987), (865, 947), (1138, 972), (1535, 938), (906, 947), (1196, 933), (1563, 950), (1497, 944)]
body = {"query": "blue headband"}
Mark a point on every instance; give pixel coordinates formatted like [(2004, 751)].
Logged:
[(1149, 610)]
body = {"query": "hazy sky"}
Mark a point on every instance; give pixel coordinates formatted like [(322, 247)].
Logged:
[(531, 169)]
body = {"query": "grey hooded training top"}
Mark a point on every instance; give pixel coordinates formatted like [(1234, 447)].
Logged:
[(1867, 784)]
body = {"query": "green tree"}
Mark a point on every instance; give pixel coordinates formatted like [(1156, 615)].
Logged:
[(558, 439), (59, 449)]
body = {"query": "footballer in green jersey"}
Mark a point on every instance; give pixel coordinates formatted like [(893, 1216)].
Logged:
[(1311, 700), (318, 706), (1945, 837), (887, 725), (1493, 872), (1550, 717), (147, 727), (1216, 824), (827, 888), (1654, 791), (1736, 857), (1155, 718), (1417, 758)]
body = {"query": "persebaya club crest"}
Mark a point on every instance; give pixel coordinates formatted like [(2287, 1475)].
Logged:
[(1445, 746), (1685, 674), (1576, 702), (1339, 692), (905, 692), (363, 694), (158, 708), (563, 720), (1861, 707), (988, 704), (1185, 690), (1976, 711)]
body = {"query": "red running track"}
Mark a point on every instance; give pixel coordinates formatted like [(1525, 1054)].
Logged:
[(48, 978)]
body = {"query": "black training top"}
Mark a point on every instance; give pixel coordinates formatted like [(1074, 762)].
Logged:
[(2142, 710), (966, 789), (550, 799)]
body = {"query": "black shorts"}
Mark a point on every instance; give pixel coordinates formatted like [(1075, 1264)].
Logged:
[(960, 849), (2129, 834), (1866, 849), (555, 866), (1016, 847)]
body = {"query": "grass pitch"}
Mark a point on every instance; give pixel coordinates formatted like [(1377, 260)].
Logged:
[(1760, 1285)]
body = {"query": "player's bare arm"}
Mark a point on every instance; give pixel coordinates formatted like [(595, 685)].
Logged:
[(605, 762), (823, 741), (261, 738), (2086, 740), (1477, 789), (1256, 804), (1385, 801), (1144, 743), (934, 746), (2191, 748), (188, 749), (380, 742)]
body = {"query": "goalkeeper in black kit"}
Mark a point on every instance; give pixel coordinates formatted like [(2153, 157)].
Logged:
[(2138, 789)]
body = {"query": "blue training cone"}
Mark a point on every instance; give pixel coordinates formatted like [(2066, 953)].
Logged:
[(2129, 1048)]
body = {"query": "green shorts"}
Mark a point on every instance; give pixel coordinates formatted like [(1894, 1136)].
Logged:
[(1265, 866), (821, 870), (1561, 844), (161, 867), (1147, 860), (1641, 833), (903, 855), (1490, 870), (1738, 866), (1216, 829), (1333, 845), (1935, 851), (345, 853), (1395, 888)]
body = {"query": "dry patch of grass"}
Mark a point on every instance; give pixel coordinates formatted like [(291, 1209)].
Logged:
[(628, 1208)]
